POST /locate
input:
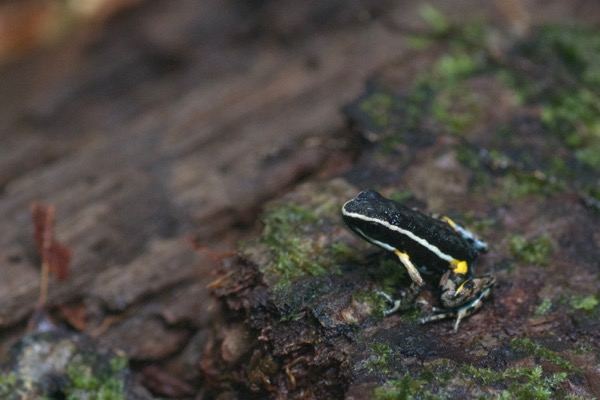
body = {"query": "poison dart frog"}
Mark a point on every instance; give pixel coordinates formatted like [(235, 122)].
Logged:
[(428, 246)]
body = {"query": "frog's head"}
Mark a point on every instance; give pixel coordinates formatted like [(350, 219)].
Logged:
[(368, 214), (367, 203)]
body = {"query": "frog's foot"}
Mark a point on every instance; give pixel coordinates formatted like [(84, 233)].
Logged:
[(404, 303), (461, 312), (396, 304)]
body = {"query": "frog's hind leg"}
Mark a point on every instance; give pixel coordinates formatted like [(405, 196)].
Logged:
[(444, 315), (439, 316), (477, 243), (471, 307), (461, 312), (458, 289)]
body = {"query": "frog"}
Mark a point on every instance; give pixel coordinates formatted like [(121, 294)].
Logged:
[(429, 247)]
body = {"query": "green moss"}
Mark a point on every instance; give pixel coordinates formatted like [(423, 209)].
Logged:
[(386, 116), (476, 224), (291, 236), (498, 159), (400, 196), (591, 196), (584, 348), (467, 156), (538, 350), (587, 303), (569, 95), (376, 301), (562, 81), (535, 251), (417, 105), (543, 308), (380, 107), (340, 252), (395, 117), (404, 388), (455, 109), (88, 374), (383, 357), (440, 94), (391, 275), (420, 42), (453, 105), (566, 115), (435, 19), (519, 382), (589, 155), (456, 66), (441, 379), (8, 385), (574, 118), (296, 241), (469, 34), (559, 167), (118, 364), (286, 219), (85, 383), (517, 185)]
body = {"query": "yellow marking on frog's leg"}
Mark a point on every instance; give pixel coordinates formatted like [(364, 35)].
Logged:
[(412, 270), (454, 290), (461, 286), (449, 222), (457, 291), (460, 267)]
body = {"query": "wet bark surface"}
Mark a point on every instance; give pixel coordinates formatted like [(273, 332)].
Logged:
[(160, 135)]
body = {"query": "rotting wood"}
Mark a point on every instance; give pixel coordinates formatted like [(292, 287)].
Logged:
[(122, 175)]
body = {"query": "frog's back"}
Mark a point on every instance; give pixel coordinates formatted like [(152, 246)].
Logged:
[(429, 242), (435, 243)]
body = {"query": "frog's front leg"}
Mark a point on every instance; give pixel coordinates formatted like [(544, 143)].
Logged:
[(414, 290), (406, 301), (412, 270)]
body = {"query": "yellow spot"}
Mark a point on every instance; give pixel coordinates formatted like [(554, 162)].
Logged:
[(461, 286), (401, 255), (449, 222), (410, 268), (460, 267)]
